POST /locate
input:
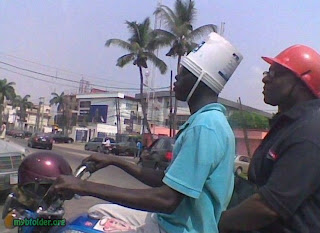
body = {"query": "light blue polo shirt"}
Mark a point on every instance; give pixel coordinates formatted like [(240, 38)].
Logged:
[(202, 169)]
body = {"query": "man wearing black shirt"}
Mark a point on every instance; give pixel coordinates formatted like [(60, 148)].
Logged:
[(286, 166)]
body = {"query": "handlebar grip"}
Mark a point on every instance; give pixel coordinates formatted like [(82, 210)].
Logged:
[(90, 166)]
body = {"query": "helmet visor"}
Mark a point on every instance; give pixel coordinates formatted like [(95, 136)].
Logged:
[(272, 61)]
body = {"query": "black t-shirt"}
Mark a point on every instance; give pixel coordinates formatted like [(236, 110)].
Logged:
[(286, 168)]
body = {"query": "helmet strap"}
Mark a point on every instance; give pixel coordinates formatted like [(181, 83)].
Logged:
[(195, 86)]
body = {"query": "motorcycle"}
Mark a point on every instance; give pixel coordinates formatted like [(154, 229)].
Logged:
[(47, 215)]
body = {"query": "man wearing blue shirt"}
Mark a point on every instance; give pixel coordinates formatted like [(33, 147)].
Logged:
[(197, 186)]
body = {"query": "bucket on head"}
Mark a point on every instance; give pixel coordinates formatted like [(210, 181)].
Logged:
[(213, 61)]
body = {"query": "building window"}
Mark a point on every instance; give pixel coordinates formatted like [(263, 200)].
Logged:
[(85, 104), (181, 119), (139, 120), (167, 123)]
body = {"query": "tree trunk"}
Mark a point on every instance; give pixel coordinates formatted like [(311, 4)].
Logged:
[(1, 108), (1, 111), (176, 103), (63, 122), (143, 103), (22, 117)]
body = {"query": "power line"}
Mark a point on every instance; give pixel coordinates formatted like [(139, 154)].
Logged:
[(28, 76), (69, 80), (63, 70)]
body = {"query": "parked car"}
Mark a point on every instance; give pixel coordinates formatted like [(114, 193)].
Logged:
[(159, 154), (97, 144), (11, 156), (241, 164), (17, 133), (27, 134), (128, 148), (40, 140), (9, 132), (59, 138)]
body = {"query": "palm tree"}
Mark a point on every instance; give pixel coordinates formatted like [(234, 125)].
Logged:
[(180, 35), (23, 104), (6, 92), (140, 46), (59, 100)]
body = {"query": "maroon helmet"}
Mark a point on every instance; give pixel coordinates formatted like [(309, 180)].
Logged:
[(39, 170)]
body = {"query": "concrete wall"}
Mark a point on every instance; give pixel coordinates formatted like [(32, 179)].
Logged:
[(255, 137)]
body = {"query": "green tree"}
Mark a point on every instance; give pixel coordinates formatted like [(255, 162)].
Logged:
[(6, 92), (180, 35), (248, 120), (59, 100), (23, 104), (140, 46)]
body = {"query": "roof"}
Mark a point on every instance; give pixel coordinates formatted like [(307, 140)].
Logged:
[(100, 95)]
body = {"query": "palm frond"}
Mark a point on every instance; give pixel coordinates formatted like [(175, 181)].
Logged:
[(26, 97), (133, 27), (161, 65), (121, 43), (201, 31), (145, 32), (185, 11), (168, 16), (159, 38), (125, 59), (164, 35), (11, 84)]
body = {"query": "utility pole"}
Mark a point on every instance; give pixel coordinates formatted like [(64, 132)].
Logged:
[(38, 114), (170, 114), (245, 132), (118, 115), (221, 32), (42, 113)]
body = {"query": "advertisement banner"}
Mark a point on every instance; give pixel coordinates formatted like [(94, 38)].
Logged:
[(98, 113)]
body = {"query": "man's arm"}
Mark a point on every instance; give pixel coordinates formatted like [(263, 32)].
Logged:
[(252, 214), (147, 176), (160, 199)]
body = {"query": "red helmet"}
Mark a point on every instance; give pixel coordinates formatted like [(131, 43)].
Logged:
[(39, 170), (304, 62)]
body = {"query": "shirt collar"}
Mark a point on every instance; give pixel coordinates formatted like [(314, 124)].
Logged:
[(298, 111), (208, 107)]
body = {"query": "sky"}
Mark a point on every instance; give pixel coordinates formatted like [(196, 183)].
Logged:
[(60, 40)]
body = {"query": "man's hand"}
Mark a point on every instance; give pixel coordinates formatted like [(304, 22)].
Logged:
[(67, 186), (100, 161)]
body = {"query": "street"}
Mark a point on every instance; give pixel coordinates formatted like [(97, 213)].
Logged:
[(74, 154)]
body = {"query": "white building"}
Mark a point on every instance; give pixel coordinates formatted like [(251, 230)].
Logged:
[(102, 114), (35, 117)]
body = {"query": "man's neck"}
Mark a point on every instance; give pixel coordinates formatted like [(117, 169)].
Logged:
[(197, 102)]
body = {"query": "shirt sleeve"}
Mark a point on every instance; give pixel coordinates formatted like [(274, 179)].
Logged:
[(196, 159), (294, 178)]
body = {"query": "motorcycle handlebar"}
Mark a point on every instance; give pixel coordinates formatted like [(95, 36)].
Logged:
[(81, 170), (89, 167)]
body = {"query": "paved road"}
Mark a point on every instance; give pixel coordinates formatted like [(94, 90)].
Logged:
[(74, 153)]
